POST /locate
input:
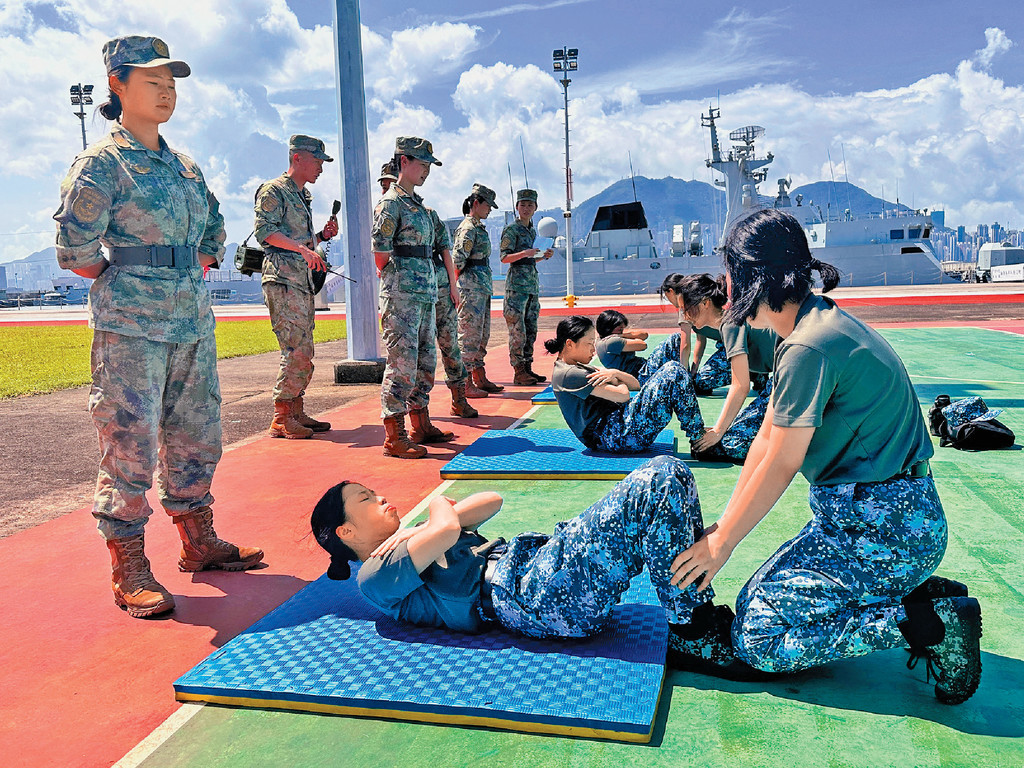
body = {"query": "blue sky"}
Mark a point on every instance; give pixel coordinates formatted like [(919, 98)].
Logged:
[(929, 95)]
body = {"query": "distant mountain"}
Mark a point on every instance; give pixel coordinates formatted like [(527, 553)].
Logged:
[(835, 198), (39, 257)]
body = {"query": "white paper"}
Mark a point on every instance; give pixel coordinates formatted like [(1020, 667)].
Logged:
[(543, 243)]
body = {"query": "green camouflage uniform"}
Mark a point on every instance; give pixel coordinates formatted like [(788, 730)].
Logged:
[(446, 317), (287, 280), (155, 390), (522, 294), (472, 260), (408, 293)]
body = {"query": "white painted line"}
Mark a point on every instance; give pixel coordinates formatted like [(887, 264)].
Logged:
[(162, 733), (968, 381), (412, 513), (524, 417)]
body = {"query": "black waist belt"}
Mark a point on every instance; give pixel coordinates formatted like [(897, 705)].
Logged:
[(486, 602), (474, 264), (920, 469), (177, 256), (412, 251), (524, 262)]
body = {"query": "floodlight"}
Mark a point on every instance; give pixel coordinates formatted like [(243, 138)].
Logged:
[(572, 64), (558, 54), (573, 52), (558, 66)]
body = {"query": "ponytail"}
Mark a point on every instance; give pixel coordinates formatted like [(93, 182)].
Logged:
[(111, 109), (572, 329), (829, 275), (328, 514)]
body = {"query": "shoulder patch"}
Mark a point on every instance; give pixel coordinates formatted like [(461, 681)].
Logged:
[(387, 226), (88, 204), (121, 140), (269, 203), (467, 244), (506, 242)]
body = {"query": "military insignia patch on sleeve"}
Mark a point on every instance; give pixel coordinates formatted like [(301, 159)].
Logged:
[(506, 243), (88, 204), (268, 203), (387, 226), (467, 245)]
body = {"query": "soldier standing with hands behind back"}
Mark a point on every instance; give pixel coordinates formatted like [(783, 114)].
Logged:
[(404, 236), (284, 225)]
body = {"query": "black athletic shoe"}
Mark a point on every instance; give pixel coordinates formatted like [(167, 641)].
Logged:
[(710, 652), (956, 659), (935, 587)]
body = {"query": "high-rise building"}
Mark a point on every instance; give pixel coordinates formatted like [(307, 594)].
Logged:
[(961, 233)]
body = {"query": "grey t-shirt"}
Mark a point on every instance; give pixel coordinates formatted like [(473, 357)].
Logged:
[(756, 343), (838, 375), (579, 407), (611, 350), (441, 596)]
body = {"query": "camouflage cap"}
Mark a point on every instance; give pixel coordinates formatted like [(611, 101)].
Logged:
[(315, 147), (387, 171), (413, 146), (969, 409), (530, 195), (485, 193), (139, 51)]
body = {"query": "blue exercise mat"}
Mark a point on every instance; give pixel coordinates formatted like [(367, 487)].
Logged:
[(546, 395), (538, 454), (327, 650)]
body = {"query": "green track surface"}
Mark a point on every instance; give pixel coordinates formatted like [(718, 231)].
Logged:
[(869, 711)]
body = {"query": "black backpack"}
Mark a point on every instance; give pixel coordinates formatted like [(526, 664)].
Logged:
[(976, 435)]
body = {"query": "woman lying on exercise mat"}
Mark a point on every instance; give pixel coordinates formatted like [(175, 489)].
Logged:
[(844, 413), (596, 403), (445, 574)]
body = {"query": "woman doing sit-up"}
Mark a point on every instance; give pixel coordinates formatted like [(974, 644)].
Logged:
[(445, 574), (596, 403), (617, 347), (844, 413), (715, 372)]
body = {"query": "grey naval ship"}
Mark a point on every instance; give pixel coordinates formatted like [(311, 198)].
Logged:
[(619, 255)]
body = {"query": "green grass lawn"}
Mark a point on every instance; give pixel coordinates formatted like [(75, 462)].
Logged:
[(45, 358)]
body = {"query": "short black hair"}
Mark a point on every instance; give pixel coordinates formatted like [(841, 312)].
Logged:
[(770, 262), (571, 328), (608, 321), (328, 514)]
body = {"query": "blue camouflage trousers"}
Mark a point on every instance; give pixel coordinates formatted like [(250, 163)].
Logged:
[(834, 591), (634, 427), (566, 584), (667, 350), (715, 373), (735, 443), (407, 330), (156, 406)]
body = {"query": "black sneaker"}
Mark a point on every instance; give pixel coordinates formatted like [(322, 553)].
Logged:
[(933, 588), (956, 659), (710, 652)]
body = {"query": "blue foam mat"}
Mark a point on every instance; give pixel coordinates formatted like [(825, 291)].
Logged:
[(546, 453), (326, 649), (546, 395)]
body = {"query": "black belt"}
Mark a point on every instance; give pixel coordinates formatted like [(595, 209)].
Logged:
[(920, 469), (412, 251), (177, 256), (524, 262), (474, 264), (486, 602)]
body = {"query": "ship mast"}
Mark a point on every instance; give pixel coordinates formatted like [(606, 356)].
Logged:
[(741, 169)]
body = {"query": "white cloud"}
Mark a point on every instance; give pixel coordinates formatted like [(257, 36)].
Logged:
[(508, 10), (996, 42)]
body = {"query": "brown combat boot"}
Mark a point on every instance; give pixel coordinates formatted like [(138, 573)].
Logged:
[(480, 380), (285, 424), (473, 392), (308, 421), (135, 589), (460, 405), (425, 432), (523, 377), (397, 443), (537, 376), (202, 550)]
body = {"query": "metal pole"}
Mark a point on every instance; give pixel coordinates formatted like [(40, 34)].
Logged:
[(361, 296), (569, 297), (81, 114)]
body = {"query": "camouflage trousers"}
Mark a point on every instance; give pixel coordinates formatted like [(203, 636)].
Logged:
[(735, 443), (521, 311), (474, 319), (156, 406), (292, 318), (446, 320), (634, 427), (834, 591), (566, 584), (664, 352), (715, 373), (407, 330)]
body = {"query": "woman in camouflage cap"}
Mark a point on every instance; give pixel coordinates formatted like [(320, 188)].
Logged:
[(155, 391)]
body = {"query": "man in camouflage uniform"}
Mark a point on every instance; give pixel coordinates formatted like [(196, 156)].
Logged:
[(472, 261), (447, 323), (387, 176), (522, 287), (284, 225), (404, 237), (155, 395)]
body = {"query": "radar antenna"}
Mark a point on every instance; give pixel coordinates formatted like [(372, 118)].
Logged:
[(747, 134)]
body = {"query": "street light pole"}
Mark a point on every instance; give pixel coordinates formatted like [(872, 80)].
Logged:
[(81, 96), (564, 61)]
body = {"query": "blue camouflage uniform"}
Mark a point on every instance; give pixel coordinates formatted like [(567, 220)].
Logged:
[(612, 355), (632, 427), (155, 389), (715, 371), (877, 527)]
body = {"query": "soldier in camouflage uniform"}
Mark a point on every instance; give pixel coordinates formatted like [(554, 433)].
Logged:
[(404, 238), (472, 261), (284, 225), (447, 323), (522, 287), (155, 395), (387, 176)]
